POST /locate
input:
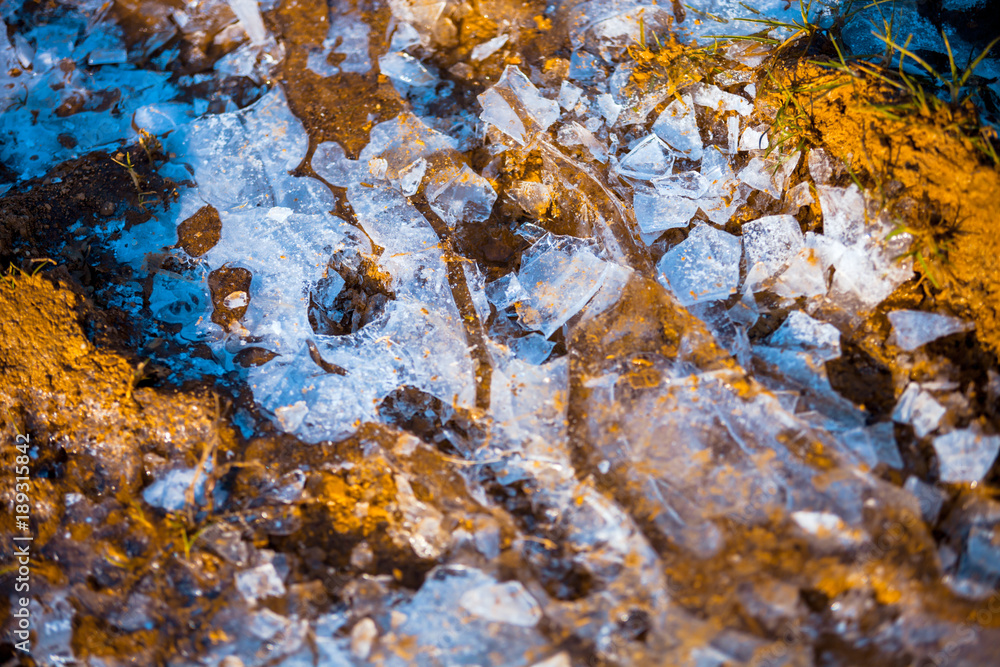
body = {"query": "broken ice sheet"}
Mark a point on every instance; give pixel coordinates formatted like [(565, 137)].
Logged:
[(769, 244), (656, 212), (770, 174), (715, 98), (559, 275), (573, 134), (704, 267), (801, 332), (678, 127), (651, 158), (875, 444), (569, 95), (919, 409), (965, 455), (488, 48), (515, 107), (459, 617), (460, 196), (402, 67), (914, 328), (507, 602)]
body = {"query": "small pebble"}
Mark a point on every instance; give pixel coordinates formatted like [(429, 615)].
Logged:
[(107, 208)]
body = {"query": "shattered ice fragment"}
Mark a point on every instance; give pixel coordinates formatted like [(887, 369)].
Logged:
[(363, 636), (820, 166), (574, 134), (707, 95), (797, 197), (107, 56), (875, 444), (535, 198), (704, 267), (514, 101), (656, 212), (236, 299), (248, 12), (843, 213), (770, 175), (769, 244), (826, 525), (650, 159), (919, 409), (465, 196), (752, 140), (609, 108), (488, 48), (411, 176), (259, 582), (569, 95), (403, 37), (169, 492), (678, 127), (965, 455), (406, 69), (506, 602), (801, 332), (690, 184), (559, 275), (733, 132), (505, 291), (915, 328), (929, 497)]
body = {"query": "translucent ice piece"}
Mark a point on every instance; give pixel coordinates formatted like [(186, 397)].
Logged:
[(488, 48), (650, 159), (406, 69), (574, 134), (930, 498), (535, 198), (820, 166), (504, 291), (770, 175), (801, 332), (915, 328), (678, 126), (875, 444), (463, 196), (248, 12), (688, 184), (965, 455), (752, 140), (508, 602), (169, 491), (559, 274), (919, 409), (707, 95), (656, 212), (411, 176), (569, 95), (259, 582), (769, 243), (609, 108), (797, 197), (704, 267), (843, 213), (805, 276), (404, 37), (513, 102)]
